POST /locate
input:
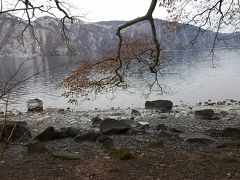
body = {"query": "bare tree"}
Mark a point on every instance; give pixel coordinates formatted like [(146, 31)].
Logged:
[(206, 14)]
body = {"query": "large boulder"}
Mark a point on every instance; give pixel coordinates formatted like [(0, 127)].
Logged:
[(51, 134), (35, 105), (18, 130), (114, 126), (162, 105), (230, 132), (205, 114)]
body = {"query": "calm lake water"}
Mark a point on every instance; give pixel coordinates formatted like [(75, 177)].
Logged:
[(188, 78)]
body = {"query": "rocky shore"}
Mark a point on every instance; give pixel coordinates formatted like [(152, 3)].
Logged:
[(160, 141)]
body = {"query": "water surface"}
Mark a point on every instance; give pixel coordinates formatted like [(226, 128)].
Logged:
[(187, 78)]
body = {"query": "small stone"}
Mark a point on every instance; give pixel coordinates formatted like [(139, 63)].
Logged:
[(2, 162), (35, 105), (143, 125)]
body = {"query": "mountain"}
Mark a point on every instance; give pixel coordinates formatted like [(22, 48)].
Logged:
[(92, 40)]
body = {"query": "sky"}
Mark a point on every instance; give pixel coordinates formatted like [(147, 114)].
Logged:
[(101, 10), (95, 10)]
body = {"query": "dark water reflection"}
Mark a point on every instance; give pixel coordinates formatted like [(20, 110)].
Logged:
[(187, 78)]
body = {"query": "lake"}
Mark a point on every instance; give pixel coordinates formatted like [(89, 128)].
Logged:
[(189, 78)]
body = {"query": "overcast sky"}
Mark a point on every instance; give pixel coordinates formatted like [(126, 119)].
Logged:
[(100, 10), (95, 10)]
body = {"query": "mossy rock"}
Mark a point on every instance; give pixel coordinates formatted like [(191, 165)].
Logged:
[(65, 155), (122, 154)]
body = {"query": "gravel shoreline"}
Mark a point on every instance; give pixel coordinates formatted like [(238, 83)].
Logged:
[(181, 117), (157, 154)]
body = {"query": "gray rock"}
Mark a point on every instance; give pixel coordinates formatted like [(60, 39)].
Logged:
[(36, 148), (35, 105), (50, 134), (87, 135), (121, 154), (205, 114), (20, 130), (230, 132), (197, 138), (114, 126), (162, 105)]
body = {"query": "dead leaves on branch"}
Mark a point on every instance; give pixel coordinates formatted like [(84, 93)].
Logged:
[(103, 75)]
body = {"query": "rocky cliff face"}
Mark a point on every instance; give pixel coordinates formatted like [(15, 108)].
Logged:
[(91, 40)]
